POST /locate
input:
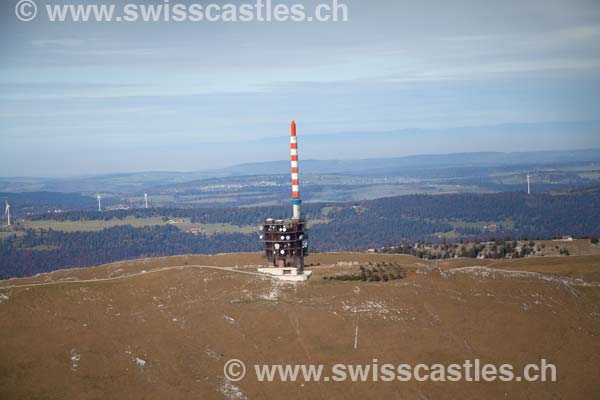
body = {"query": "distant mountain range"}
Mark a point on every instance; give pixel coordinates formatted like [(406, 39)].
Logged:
[(457, 164), (468, 143), (434, 161)]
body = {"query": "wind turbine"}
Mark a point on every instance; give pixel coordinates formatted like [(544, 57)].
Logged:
[(99, 204), (7, 213), (146, 199), (528, 184)]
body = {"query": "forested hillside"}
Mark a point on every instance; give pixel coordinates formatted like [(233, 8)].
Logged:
[(344, 226), (48, 250)]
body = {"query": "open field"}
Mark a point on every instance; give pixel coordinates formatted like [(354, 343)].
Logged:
[(164, 328), (91, 225), (4, 233), (98, 225), (211, 229)]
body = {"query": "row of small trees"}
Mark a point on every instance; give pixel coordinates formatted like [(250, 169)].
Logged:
[(370, 273), (493, 250)]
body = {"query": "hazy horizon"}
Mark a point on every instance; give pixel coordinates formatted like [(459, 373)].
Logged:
[(285, 161), (96, 98)]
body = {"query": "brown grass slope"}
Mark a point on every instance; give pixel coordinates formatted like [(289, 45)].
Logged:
[(163, 328)]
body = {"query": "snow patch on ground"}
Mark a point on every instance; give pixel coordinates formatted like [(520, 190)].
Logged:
[(75, 357), (140, 362), (274, 293), (213, 354), (230, 391), (229, 319), (367, 306), (375, 308), (486, 272)]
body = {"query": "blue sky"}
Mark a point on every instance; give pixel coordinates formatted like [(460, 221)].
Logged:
[(82, 98)]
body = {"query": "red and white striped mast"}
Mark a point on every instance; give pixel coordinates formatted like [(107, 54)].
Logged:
[(295, 177)]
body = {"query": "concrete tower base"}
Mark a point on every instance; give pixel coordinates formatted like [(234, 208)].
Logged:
[(290, 274)]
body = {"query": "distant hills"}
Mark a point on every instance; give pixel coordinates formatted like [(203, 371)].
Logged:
[(135, 182), (197, 153), (433, 161)]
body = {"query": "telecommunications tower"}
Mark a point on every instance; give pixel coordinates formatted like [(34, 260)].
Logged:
[(285, 241)]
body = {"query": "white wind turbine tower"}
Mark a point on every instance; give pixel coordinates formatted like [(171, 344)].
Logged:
[(7, 213), (146, 199), (528, 184), (99, 204)]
